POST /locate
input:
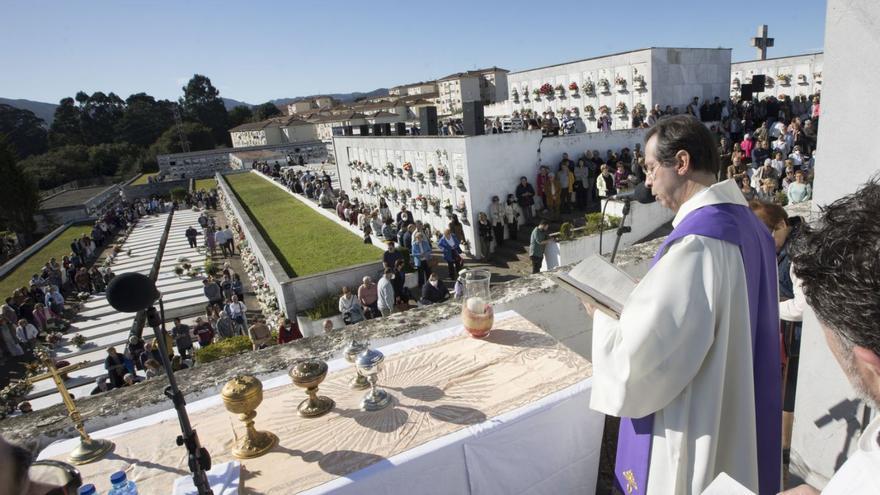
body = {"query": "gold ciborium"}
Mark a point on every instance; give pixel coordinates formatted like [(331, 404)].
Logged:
[(241, 396), (308, 373)]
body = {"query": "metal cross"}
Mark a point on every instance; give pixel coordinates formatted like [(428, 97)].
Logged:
[(762, 42), (89, 449)]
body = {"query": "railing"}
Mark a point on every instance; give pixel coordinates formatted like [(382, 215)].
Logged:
[(137, 326)]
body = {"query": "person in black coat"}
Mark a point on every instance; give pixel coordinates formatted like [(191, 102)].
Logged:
[(434, 291)]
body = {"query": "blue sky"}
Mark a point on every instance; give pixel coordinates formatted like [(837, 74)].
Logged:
[(258, 50)]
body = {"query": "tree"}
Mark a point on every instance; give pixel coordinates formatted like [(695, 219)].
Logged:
[(65, 128), (59, 166), (144, 120), (265, 111), (24, 131), (239, 115), (19, 197), (201, 103), (99, 114), (113, 158), (199, 138)]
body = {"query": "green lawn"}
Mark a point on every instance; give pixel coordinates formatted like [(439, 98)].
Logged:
[(304, 241), (143, 178), (206, 184), (60, 246)]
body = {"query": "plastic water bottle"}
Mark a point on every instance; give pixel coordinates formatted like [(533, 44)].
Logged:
[(121, 485), (88, 489)]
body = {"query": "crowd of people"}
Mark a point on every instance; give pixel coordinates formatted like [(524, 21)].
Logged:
[(31, 312)]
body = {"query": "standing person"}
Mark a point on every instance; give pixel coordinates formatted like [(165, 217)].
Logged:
[(451, 253), (210, 240), (484, 229), (26, 333), (695, 353), (182, 338), (349, 307), (836, 261), (288, 331), (212, 291), (204, 332), (434, 291), (368, 296), (259, 334), (537, 242), (224, 325), (799, 191), (237, 312), (385, 291), (421, 256), (237, 287), (552, 194), (511, 217), (525, 195), (230, 240), (191, 234), (391, 255), (220, 240), (566, 184), (496, 216)]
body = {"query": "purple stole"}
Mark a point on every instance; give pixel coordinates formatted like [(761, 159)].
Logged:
[(738, 225)]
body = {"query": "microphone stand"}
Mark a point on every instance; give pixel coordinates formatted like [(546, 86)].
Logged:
[(199, 458), (621, 229)]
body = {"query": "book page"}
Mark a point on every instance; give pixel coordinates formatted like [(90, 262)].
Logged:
[(601, 281)]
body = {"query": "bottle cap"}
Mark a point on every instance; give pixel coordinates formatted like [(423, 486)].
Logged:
[(117, 477), (88, 489)]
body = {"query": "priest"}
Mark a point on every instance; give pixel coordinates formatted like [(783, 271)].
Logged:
[(692, 365)]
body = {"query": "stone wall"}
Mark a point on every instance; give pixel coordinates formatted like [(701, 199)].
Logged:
[(829, 415), (805, 71), (163, 188)]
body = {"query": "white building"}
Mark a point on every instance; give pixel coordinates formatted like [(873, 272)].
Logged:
[(484, 85), (419, 88), (799, 75), (619, 82), (198, 164), (475, 161), (274, 131)]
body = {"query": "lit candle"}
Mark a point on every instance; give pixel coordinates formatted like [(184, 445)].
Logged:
[(476, 305)]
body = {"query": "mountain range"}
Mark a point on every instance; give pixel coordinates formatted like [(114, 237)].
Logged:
[(46, 111)]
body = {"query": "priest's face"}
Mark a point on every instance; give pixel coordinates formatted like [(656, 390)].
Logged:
[(664, 180)]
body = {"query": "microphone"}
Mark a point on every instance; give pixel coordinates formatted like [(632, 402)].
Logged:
[(640, 193), (131, 292)]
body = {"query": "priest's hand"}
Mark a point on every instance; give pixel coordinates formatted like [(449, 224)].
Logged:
[(801, 490), (592, 308)]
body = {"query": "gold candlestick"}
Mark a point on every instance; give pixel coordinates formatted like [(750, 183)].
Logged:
[(241, 396), (89, 449)]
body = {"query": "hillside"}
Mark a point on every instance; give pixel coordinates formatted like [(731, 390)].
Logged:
[(45, 111)]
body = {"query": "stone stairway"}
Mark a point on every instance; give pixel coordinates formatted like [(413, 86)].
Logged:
[(103, 326)]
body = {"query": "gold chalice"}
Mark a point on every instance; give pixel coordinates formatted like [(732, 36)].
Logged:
[(241, 396), (308, 373)]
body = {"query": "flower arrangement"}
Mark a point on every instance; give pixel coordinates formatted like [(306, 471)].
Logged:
[(769, 82), (389, 169), (589, 88), (461, 207), (784, 79), (54, 337), (559, 90), (434, 201), (443, 174), (408, 168), (82, 296), (421, 202), (802, 78), (514, 95), (573, 86), (400, 172), (640, 109), (546, 89), (432, 174), (590, 111), (356, 183), (78, 341), (536, 94), (817, 76), (604, 86), (621, 108), (13, 393), (420, 177), (459, 181), (604, 109), (639, 81), (447, 205), (735, 83)]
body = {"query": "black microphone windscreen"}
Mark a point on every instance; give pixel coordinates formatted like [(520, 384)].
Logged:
[(131, 292), (643, 194)]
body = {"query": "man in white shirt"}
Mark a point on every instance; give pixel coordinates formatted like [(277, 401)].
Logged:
[(838, 264), (692, 364), (385, 291)]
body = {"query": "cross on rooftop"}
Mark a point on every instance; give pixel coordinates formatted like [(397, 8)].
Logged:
[(762, 42)]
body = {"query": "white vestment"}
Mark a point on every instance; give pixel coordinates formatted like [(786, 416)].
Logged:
[(683, 351), (858, 475)]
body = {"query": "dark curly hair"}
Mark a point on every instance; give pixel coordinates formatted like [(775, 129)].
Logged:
[(838, 261)]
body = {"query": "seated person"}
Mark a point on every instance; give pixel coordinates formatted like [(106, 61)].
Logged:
[(434, 291)]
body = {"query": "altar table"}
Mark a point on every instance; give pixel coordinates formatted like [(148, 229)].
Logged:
[(508, 414)]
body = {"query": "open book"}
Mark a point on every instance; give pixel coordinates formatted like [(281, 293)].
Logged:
[(600, 282)]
